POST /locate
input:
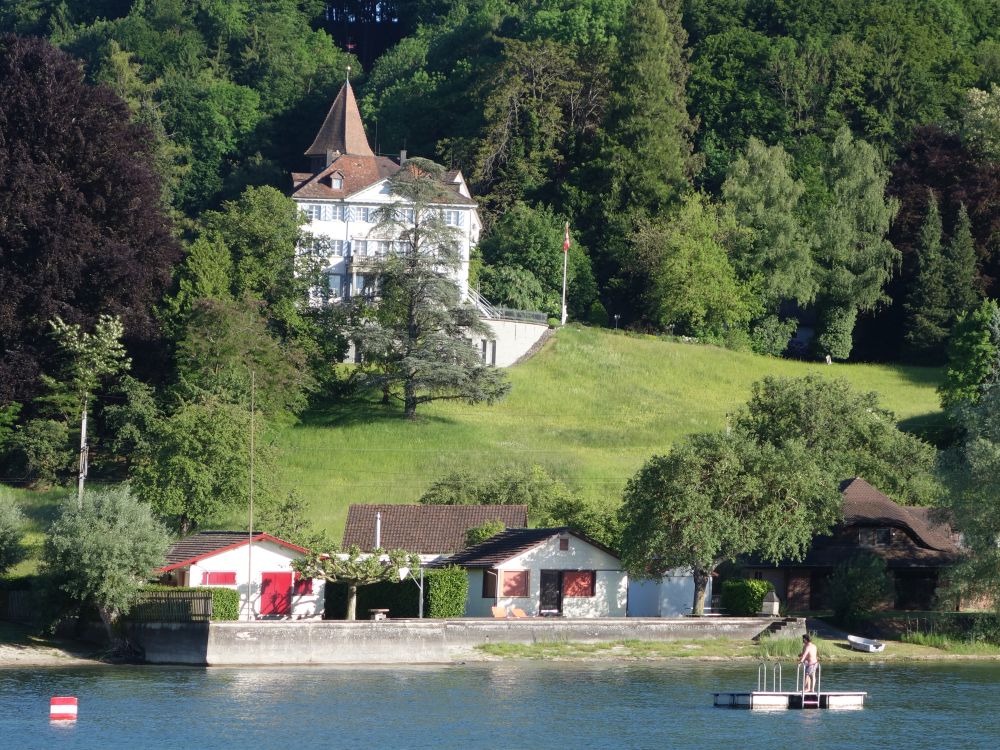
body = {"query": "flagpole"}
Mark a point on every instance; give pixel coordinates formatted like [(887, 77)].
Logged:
[(565, 258)]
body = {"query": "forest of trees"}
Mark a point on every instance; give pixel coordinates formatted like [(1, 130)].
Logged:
[(730, 171)]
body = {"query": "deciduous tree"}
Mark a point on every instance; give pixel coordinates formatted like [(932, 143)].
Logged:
[(83, 232), (100, 553), (717, 496)]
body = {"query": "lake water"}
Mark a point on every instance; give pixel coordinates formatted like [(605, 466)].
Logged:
[(493, 705)]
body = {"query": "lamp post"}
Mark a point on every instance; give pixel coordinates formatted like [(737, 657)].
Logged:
[(405, 571), (617, 315)]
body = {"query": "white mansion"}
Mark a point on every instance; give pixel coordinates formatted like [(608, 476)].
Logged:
[(340, 196)]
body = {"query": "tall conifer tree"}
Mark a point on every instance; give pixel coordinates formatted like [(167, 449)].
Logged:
[(927, 309), (960, 267), (646, 158)]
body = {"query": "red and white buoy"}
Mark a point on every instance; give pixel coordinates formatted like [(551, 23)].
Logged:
[(62, 708)]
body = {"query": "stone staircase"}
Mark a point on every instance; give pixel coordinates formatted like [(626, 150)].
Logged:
[(777, 626)]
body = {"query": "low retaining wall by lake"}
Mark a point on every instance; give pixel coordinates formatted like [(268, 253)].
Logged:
[(409, 641)]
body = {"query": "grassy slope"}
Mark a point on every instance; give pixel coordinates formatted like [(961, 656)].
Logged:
[(591, 407)]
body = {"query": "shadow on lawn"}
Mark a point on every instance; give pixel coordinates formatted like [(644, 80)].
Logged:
[(933, 428), (361, 410)]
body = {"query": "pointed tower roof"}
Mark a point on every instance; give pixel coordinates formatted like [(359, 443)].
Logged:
[(342, 130)]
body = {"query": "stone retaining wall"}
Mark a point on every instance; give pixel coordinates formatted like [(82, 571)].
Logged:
[(408, 641)]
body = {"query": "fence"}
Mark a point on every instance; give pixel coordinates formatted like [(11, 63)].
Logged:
[(18, 606), (173, 606)]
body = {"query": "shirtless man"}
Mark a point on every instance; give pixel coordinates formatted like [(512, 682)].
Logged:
[(810, 658)]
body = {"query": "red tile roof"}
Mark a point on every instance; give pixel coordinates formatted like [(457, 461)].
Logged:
[(425, 529)]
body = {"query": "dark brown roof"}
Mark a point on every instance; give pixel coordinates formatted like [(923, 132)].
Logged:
[(358, 172), (342, 131), (192, 548), (425, 529), (513, 542), (863, 504)]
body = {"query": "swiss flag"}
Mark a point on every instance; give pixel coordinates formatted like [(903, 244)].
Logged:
[(566, 240)]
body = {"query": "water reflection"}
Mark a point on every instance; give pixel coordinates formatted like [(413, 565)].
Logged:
[(512, 704)]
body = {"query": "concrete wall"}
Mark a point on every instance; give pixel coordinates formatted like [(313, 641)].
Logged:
[(407, 641), (266, 557), (513, 340), (610, 590)]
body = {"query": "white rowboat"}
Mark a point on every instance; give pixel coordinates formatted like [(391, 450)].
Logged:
[(864, 644)]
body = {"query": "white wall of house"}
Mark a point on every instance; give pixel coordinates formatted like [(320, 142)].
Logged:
[(670, 597), (610, 585), (265, 557), (349, 224)]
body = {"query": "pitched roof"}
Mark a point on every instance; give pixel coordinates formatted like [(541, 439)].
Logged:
[(204, 544), (511, 543), (342, 131), (358, 173), (425, 529), (863, 504)]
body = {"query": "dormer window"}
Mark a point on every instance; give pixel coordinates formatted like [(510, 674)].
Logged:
[(337, 181)]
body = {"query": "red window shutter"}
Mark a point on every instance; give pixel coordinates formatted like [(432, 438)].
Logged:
[(516, 583), (303, 586), (219, 578), (578, 583)]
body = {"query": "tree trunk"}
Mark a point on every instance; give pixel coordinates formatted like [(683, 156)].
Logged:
[(701, 578), (352, 601), (409, 400)]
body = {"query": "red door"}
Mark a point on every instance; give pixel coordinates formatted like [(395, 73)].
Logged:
[(275, 593)]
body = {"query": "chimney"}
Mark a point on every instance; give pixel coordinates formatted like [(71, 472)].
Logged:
[(378, 529), (330, 157), (402, 156)]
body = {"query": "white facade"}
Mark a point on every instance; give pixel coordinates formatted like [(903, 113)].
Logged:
[(610, 586), (349, 227), (670, 597), (266, 566)]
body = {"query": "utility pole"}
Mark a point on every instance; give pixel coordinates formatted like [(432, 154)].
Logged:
[(82, 476), (565, 258), (253, 394)]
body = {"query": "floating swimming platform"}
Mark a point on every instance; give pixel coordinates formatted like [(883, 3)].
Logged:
[(777, 699)]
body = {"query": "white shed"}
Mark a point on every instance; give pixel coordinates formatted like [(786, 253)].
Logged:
[(671, 596), (554, 571), (264, 569)]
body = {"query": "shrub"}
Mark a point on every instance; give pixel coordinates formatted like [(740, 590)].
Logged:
[(12, 549), (858, 586), (225, 603), (484, 531), (447, 591), (744, 597), (771, 335)]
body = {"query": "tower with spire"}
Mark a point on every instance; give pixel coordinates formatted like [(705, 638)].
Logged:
[(340, 195), (346, 184)]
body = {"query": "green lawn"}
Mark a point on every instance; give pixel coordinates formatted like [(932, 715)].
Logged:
[(591, 407)]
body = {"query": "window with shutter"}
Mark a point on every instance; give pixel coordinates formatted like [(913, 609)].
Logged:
[(218, 578), (516, 583), (578, 583), (303, 586)]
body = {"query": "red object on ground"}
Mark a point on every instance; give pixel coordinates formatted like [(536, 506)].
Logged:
[(62, 709)]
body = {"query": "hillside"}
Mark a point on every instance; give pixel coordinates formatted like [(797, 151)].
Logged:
[(590, 408)]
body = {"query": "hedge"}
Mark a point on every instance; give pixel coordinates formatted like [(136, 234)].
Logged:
[(744, 596), (445, 592)]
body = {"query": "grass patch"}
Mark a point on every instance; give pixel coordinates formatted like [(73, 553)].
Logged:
[(952, 645), (768, 649), (591, 408)]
